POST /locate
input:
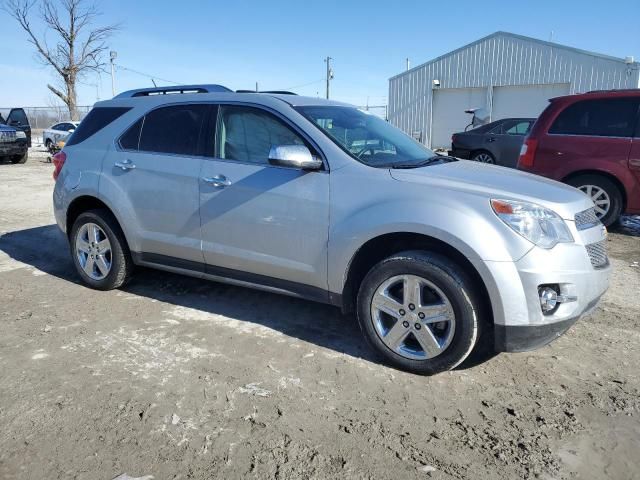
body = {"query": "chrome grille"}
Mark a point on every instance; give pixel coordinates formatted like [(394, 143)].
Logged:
[(7, 137), (586, 219), (598, 254)]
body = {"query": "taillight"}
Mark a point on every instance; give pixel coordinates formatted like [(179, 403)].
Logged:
[(58, 161), (528, 153), (453, 139)]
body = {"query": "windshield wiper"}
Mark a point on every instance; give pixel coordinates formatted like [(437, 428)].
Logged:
[(424, 163)]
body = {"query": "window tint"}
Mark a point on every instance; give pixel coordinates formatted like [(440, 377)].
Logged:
[(57, 126), (96, 120), (131, 138), (175, 129), (246, 134), (607, 118), (519, 128)]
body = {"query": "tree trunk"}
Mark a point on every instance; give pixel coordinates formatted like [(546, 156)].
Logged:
[(72, 98)]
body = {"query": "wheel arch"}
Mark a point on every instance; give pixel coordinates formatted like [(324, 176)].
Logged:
[(382, 246), (601, 173), (84, 203), (476, 151)]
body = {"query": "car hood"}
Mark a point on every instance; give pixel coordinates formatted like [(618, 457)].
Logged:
[(6, 128), (493, 181)]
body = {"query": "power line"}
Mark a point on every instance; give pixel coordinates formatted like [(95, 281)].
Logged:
[(152, 77)]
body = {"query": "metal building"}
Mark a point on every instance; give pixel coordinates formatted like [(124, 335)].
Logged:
[(507, 74)]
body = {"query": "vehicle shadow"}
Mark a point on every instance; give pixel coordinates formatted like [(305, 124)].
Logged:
[(315, 323), (628, 225)]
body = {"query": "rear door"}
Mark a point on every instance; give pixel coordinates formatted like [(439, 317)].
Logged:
[(263, 223), (509, 141), (153, 175)]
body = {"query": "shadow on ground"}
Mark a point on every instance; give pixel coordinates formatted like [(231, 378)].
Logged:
[(46, 249)]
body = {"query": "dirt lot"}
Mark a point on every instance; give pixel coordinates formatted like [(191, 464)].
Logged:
[(184, 379)]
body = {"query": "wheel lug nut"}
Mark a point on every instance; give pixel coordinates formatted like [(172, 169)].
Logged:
[(418, 326), (421, 316), (402, 312), (405, 324), (412, 306)]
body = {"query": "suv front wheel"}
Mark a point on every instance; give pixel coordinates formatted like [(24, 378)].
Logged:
[(99, 250), (419, 311)]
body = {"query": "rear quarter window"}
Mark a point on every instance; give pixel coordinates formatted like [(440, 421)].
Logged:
[(96, 120), (615, 117)]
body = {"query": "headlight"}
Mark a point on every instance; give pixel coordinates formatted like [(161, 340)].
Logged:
[(20, 134), (537, 224)]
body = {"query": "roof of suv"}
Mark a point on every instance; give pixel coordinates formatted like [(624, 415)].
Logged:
[(631, 92)]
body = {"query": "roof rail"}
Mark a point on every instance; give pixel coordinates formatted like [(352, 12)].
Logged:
[(147, 92), (272, 92)]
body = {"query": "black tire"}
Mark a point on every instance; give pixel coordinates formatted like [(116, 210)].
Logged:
[(611, 189), (121, 263), (20, 158), (452, 281), (48, 145), (477, 157)]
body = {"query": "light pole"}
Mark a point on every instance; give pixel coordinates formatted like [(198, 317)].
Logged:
[(329, 73), (113, 55)]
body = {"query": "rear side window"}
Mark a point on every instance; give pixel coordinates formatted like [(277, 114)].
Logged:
[(131, 138), (18, 117), (175, 129), (614, 117), (96, 120)]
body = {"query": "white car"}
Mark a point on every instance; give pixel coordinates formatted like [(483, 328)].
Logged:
[(60, 131)]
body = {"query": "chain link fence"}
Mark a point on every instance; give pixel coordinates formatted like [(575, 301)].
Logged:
[(44, 117)]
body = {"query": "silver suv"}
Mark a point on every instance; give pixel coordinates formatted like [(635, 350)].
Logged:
[(317, 199)]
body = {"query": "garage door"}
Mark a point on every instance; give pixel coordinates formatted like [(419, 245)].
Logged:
[(448, 112), (524, 101)]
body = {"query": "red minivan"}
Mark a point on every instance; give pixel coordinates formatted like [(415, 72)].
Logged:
[(592, 142)]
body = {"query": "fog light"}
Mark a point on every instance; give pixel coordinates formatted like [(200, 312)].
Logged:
[(548, 299)]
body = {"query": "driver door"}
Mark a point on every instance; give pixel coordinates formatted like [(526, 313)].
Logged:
[(262, 223)]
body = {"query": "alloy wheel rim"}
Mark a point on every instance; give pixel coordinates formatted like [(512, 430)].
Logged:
[(599, 197), (484, 158), (93, 251), (413, 317)]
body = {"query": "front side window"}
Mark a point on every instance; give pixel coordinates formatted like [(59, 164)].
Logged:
[(368, 138), (174, 129), (246, 134), (614, 117), (131, 138)]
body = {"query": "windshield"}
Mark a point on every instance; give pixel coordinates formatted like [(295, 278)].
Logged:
[(366, 137)]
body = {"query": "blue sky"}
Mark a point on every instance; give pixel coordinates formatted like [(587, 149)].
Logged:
[(282, 44)]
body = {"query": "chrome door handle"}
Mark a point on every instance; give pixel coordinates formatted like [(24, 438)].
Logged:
[(218, 181), (125, 165)]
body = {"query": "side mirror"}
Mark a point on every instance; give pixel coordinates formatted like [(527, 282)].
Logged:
[(295, 156)]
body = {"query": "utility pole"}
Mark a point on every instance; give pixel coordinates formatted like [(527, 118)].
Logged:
[(329, 73), (408, 64), (113, 55)]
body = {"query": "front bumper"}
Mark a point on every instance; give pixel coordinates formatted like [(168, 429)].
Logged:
[(518, 318), (13, 148)]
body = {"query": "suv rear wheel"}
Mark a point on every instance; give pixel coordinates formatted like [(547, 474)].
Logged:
[(419, 312), (605, 195), (99, 250), (20, 158)]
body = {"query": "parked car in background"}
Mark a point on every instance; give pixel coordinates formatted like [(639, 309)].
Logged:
[(56, 133), (497, 142), (13, 145), (18, 119), (320, 200), (592, 142)]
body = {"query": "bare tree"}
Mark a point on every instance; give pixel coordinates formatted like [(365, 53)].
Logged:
[(79, 45)]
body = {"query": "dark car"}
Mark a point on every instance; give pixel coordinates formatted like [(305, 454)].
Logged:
[(592, 142), (13, 144), (18, 119), (497, 142)]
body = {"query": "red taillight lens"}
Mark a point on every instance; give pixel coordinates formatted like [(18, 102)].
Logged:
[(528, 153), (58, 161)]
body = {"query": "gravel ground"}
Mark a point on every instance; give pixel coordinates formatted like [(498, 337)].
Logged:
[(185, 379)]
